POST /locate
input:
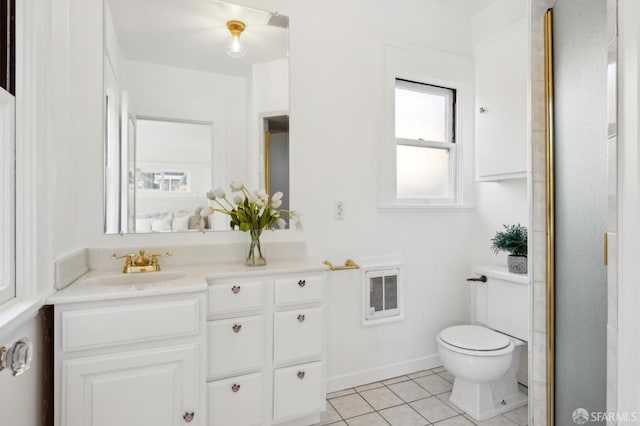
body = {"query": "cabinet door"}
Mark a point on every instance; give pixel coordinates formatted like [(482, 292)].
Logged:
[(298, 391), (501, 105), (154, 387)]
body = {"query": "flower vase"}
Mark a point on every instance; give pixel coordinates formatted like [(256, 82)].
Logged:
[(254, 256)]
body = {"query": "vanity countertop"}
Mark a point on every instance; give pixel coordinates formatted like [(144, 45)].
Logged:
[(190, 279)]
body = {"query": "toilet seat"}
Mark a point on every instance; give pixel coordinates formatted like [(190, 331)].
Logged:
[(474, 338)]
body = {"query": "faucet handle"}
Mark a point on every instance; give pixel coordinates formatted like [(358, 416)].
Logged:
[(129, 258), (154, 258), (167, 254)]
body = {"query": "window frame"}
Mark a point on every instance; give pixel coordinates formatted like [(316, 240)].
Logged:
[(8, 285), (449, 143), (31, 230), (434, 67)]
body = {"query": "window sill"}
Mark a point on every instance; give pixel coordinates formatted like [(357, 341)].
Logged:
[(17, 312), (400, 207)]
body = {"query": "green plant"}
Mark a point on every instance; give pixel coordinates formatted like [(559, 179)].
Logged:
[(513, 240)]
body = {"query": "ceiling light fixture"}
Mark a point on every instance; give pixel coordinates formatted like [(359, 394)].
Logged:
[(235, 49)]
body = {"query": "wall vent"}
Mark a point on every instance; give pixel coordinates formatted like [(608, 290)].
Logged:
[(382, 295)]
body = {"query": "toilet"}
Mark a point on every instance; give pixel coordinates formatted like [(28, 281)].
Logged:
[(484, 357)]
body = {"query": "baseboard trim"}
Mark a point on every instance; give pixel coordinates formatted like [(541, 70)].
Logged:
[(362, 377)]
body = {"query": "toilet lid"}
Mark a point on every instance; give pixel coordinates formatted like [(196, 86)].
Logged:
[(475, 338)]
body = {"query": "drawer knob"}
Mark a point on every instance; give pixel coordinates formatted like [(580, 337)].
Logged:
[(235, 387), (300, 375), (302, 283), (301, 317), (188, 416), (237, 328), (235, 289)]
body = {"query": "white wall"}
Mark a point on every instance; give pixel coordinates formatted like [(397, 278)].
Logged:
[(628, 338), (269, 94), (504, 202), (335, 123), (174, 93)]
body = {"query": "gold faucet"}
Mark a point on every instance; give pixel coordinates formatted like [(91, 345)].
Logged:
[(140, 263)]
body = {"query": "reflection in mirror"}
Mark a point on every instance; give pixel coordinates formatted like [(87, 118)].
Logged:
[(276, 157), (183, 116)]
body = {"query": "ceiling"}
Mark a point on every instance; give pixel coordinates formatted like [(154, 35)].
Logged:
[(193, 34)]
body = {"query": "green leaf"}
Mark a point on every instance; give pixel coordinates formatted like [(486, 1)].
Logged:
[(245, 227), (512, 240)]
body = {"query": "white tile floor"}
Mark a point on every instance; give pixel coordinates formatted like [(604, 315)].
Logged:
[(417, 399)]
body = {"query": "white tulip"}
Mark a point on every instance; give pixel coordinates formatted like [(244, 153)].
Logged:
[(236, 186), (211, 195), (253, 197), (276, 203), (277, 196), (281, 223), (238, 199), (219, 192)]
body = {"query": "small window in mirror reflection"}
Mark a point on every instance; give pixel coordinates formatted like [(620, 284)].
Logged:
[(169, 181)]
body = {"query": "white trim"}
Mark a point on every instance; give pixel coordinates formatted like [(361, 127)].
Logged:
[(362, 377), (17, 313), (408, 62), (34, 42), (7, 197)]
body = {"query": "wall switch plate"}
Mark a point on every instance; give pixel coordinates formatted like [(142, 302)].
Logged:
[(339, 211)]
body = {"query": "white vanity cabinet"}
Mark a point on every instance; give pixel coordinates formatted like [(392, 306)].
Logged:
[(130, 362), (501, 75), (266, 348)]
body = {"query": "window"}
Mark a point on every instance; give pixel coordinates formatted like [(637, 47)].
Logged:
[(425, 142), (171, 181)]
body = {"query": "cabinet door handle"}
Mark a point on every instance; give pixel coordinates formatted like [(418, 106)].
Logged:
[(237, 328), (302, 283), (235, 387), (300, 375), (188, 416), (235, 289), (301, 317)]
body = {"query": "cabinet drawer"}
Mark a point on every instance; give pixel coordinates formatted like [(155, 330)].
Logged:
[(298, 391), (117, 325), (298, 334), (235, 345), (234, 297), (237, 401), (293, 290)]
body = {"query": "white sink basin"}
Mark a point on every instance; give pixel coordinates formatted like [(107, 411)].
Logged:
[(134, 278)]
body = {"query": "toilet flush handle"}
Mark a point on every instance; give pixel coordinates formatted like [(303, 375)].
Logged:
[(481, 278)]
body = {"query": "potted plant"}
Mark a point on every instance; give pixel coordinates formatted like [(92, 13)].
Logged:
[(512, 240)]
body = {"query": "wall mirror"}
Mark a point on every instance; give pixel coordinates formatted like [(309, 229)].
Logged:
[(196, 94)]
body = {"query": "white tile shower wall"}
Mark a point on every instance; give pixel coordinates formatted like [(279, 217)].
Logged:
[(537, 215)]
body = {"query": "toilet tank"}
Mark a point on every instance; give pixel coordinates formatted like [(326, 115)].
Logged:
[(502, 303)]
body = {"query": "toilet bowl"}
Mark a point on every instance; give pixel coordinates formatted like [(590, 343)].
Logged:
[(485, 364)]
